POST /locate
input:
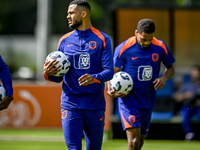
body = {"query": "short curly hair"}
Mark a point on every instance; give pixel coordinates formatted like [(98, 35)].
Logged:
[(82, 3), (146, 25)]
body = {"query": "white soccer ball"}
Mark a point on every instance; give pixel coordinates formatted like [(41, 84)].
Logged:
[(2, 92), (121, 82), (63, 60)]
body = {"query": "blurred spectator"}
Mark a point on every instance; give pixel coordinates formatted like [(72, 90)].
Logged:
[(189, 95)]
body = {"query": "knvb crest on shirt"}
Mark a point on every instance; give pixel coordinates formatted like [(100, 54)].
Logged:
[(82, 60), (145, 73), (155, 57), (92, 45), (131, 119)]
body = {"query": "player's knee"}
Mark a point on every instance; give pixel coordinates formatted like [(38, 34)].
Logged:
[(134, 144)]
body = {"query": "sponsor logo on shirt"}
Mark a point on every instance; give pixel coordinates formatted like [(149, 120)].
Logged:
[(68, 45), (133, 58), (145, 73), (82, 60)]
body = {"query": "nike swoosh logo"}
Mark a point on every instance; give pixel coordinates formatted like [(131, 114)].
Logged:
[(101, 118), (68, 45), (133, 58)]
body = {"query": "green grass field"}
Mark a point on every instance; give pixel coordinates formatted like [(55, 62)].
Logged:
[(35, 139)]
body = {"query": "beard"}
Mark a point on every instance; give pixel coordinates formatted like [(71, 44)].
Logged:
[(144, 47), (76, 24)]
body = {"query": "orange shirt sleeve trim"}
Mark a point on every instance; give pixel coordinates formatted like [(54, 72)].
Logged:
[(131, 41), (96, 80), (157, 42), (46, 77), (99, 35), (63, 37)]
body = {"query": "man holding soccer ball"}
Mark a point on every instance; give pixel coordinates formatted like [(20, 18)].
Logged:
[(82, 100), (7, 84), (141, 57)]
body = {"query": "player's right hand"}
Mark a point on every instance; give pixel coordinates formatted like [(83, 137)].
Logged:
[(49, 68), (113, 94), (5, 102)]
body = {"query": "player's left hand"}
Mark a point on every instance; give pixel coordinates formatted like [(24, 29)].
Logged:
[(159, 83), (5, 102), (113, 94), (85, 79)]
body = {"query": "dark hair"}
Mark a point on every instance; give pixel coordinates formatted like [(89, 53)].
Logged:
[(146, 25), (82, 3)]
